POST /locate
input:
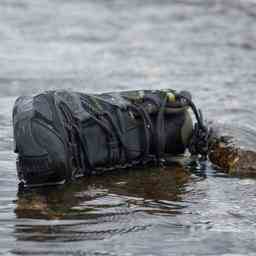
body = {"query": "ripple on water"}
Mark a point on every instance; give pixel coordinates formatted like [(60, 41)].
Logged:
[(101, 209), (205, 46)]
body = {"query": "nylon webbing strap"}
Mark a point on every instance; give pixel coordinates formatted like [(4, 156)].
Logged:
[(200, 137)]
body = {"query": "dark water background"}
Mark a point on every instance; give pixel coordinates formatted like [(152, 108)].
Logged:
[(205, 46)]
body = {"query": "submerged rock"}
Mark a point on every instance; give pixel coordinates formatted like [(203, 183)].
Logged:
[(232, 158)]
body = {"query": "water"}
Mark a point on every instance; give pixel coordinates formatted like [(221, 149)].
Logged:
[(205, 46)]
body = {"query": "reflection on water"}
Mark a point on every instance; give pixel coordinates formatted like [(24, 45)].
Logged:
[(120, 212), (103, 206)]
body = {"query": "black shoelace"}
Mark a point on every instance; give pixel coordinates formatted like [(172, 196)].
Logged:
[(78, 143), (156, 135)]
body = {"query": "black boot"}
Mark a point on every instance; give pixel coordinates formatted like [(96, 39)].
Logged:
[(60, 135)]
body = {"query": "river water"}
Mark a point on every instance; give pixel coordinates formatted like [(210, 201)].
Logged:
[(205, 46)]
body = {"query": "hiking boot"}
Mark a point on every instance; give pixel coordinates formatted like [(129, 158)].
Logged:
[(61, 135)]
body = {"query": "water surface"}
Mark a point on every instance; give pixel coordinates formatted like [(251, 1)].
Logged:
[(205, 46)]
